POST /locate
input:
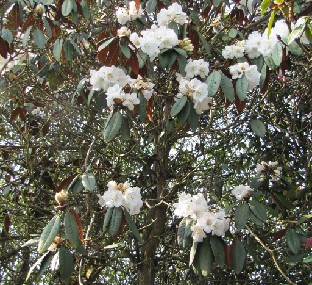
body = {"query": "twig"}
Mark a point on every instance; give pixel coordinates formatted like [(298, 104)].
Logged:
[(272, 255)]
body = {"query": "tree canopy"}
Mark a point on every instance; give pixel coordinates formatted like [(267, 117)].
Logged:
[(155, 142)]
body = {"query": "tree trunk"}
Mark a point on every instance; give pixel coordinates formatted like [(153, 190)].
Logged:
[(158, 215)]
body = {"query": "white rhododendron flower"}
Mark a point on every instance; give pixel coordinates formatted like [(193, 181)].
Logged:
[(241, 191), (116, 94), (271, 169), (145, 86), (196, 68), (122, 194), (250, 71), (123, 32), (106, 77), (198, 233), (206, 220), (252, 45), (130, 13), (132, 200), (111, 198), (154, 39), (233, 51), (172, 14)]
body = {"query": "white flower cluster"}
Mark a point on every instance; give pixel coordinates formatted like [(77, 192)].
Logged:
[(130, 13), (107, 77), (270, 168), (206, 221), (241, 191), (250, 71), (258, 44), (194, 88), (174, 14), (113, 81), (122, 195), (160, 36), (154, 39)]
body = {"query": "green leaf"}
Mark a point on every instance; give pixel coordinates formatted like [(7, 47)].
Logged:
[(253, 218), (293, 240), (193, 118), (125, 129), (172, 58), (264, 6), (277, 54), (125, 50), (218, 250), (151, 6), (47, 27), (163, 59), (241, 88), (44, 265), (239, 256), (132, 226), (170, 126), (67, 7), (181, 51), (178, 105), (85, 9), (258, 128), (263, 75), (184, 232), (213, 81), (66, 262), (182, 63), (193, 252), (115, 221), (258, 209), (282, 201), (49, 233), (107, 218), (270, 63), (44, 261), (308, 259), (88, 181), (184, 113), (57, 49), (295, 34), (7, 35), (76, 186), (113, 127), (105, 44), (39, 38), (71, 229), (69, 50), (205, 257), (271, 20), (241, 215), (142, 108), (26, 37), (204, 43), (227, 88), (232, 33), (216, 3)]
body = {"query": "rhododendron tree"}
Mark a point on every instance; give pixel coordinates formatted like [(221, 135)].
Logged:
[(201, 108)]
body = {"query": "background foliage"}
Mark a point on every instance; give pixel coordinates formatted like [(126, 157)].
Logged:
[(52, 135)]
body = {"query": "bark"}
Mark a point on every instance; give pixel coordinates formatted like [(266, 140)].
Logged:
[(158, 215)]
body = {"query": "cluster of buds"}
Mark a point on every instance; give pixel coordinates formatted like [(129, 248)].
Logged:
[(187, 45)]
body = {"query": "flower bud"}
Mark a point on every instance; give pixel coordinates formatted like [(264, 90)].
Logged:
[(61, 198), (187, 45)]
